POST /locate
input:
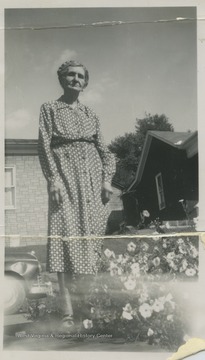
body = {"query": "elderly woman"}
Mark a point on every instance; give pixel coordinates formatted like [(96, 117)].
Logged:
[(78, 168)]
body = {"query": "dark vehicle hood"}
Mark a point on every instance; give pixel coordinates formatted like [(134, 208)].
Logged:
[(19, 256), (24, 264)]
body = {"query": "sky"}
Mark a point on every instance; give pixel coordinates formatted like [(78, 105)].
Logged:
[(142, 67)]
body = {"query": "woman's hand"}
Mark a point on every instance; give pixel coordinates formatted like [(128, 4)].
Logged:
[(106, 192), (56, 191)]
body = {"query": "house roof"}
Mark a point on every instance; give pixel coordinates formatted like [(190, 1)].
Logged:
[(187, 141), (175, 139), (21, 147)]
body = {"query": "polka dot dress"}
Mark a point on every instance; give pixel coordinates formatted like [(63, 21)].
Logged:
[(72, 152)]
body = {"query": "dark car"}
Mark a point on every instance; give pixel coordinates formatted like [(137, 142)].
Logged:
[(22, 279)]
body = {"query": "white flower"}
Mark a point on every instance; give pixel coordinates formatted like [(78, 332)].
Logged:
[(150, 332), (92, 310), (144, 246), (193, 252), (172, 265), (41, 306), (143, 297), (145, 258), (127, 315), (115, 271), (131, 247), (184, 265), (135, 269), (169, 299), (182, 249), (109, 253), (190, 272), (170, 317), (162, 299), (125, 258), (120, 258), (158, 306), (167, 225), (112, 265), (127, 308), (107, 320), (145, 310), (88, 324), (156, 261), (146, 213), (130, 284), (186, 337), (171, 255), (180, 241), (146, 267)]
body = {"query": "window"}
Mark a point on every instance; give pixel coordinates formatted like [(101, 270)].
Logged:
[(160, 191), (10, 188)]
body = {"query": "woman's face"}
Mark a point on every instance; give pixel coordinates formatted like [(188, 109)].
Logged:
[(75, 79)]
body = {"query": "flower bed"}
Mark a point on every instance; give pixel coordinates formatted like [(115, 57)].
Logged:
[(129, 298), (133, 295), (173, 257), (149, 312)]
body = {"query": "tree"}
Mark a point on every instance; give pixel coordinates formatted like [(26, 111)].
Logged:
[(128, 147), (151, 122)]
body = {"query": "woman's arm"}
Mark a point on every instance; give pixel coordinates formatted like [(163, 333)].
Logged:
[(107, 158), (46, 159), (108, 163)]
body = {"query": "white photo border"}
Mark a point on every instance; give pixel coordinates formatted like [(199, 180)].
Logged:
[(200, 4)]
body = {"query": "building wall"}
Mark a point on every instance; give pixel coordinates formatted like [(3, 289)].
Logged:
[(30, 215), (29, 218), (168, 161), (180, 181)]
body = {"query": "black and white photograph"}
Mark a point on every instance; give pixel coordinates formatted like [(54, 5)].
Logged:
[(101, 250)]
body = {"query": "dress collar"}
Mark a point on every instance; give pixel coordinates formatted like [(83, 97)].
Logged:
[(61, 104)]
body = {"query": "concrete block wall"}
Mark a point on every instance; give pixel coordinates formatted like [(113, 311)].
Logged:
[(30, 215), (28, 221), (116, 202), (22, 241)]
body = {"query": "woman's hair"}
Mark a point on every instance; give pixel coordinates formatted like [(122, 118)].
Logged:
[(63, 70)]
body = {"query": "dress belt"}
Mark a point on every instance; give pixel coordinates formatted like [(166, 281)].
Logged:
[(59, 143)]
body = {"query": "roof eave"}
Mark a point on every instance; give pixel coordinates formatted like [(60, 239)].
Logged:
[(21, 147), (142, 161), (191, 145)]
